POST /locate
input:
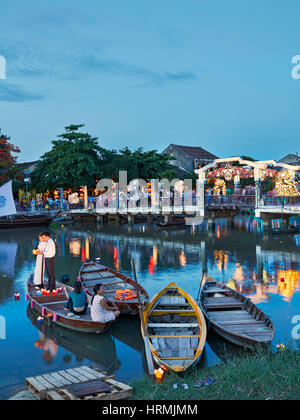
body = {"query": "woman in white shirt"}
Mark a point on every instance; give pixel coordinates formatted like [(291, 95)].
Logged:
[(101, 311)]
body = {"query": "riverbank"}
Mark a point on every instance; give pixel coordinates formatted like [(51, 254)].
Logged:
[(256, 376)]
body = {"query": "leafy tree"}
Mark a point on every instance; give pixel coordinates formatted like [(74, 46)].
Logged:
[(73, 161), (138, 164), (8, 162)]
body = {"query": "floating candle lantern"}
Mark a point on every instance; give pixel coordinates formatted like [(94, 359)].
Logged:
[(54, 292), (159, 373), (17, 296)]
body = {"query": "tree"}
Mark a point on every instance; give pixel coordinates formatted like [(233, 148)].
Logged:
[(138, 164), (8, 162), (73, 161)]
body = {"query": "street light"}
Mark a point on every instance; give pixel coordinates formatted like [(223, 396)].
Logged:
[(26, 180)]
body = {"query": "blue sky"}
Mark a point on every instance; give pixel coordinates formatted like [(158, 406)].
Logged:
[(215, 74)]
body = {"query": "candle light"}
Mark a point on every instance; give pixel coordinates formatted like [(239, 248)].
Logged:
[(159, 373)]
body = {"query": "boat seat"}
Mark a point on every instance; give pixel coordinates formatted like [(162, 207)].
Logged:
[(184, 325)]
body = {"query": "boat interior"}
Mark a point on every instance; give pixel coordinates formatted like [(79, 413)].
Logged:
[(173, 329), (93, 274)]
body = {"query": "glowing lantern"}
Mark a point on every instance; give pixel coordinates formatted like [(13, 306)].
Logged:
[(54, 292), (159, 373)]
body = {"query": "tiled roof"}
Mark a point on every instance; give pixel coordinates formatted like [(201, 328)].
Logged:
[(195, 152)]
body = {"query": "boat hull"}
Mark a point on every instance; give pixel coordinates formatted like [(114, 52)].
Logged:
[(43, 307), (187, 329), (254, 322), (25, 221)]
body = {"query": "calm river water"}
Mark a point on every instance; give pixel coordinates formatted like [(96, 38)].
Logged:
[(265, 268)]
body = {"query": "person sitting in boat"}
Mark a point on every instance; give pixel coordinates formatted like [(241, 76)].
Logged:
[(78, 301), (103, 310)]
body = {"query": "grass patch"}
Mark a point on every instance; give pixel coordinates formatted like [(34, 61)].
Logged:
[(256, 375)]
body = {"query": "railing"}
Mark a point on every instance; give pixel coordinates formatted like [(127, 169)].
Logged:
[(230, 201), (280, 201)]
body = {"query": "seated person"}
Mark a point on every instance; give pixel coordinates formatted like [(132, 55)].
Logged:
[(78, 301), (103, 310)]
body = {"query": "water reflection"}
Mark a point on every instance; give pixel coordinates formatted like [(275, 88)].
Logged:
[(263, 267)]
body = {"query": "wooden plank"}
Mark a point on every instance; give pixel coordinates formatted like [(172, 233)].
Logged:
[(35, 385), (120, 385), (184, 312), (61, 379), (53, 381), (55, 396), (183, 325), (69, 395), (178, 358), (44, 382), (242, 322), (174, 336), (216, 290), (81, 378), (88, 375), (69, 377), (93, 372)]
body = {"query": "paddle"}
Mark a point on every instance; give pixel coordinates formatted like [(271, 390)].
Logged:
[(200, 287), (146, 339)]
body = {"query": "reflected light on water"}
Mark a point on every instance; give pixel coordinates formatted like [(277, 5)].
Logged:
[(75, 247), (182, 259), (288, 283)]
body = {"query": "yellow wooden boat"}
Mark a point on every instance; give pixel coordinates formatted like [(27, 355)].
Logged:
[(176, 329)]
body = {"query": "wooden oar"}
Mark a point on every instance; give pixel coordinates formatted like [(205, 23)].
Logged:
[(200, 287), (146, 338)]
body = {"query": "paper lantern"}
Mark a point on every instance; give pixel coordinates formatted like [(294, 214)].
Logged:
[(159, 373)]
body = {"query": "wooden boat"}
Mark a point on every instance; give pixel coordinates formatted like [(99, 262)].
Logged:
[(52, 306), (235, 317), (176, 329), (23, 221), (92, 273), (175, 221)]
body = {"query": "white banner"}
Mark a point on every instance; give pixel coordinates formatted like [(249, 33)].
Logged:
[(7, 204)]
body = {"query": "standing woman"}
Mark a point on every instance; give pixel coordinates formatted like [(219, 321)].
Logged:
[(100, 310)]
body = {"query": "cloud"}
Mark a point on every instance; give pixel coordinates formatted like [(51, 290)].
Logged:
[(114, 67), (13, 93), (36, 60)]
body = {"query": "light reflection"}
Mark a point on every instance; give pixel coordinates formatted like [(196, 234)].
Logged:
[(75, 247), (48, 346), (288, 281), (182, 259)]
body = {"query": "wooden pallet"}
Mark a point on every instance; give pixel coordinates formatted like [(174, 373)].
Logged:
[(53, 385)]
